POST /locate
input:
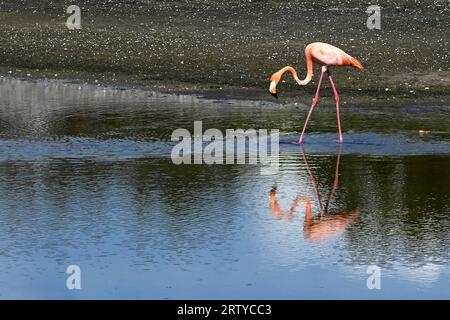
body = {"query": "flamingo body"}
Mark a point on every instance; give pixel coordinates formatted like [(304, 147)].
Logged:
[(327, 55)]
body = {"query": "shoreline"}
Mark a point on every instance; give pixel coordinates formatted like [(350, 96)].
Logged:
[(227, 94)]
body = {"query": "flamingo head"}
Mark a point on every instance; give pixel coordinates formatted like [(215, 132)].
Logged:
[(274, 79)]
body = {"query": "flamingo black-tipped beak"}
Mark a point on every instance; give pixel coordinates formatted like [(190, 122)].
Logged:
[(274, 95)]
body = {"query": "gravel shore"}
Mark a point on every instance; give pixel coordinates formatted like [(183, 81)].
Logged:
[(230, 49)]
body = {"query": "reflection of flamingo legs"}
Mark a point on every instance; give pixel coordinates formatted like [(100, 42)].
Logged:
[(325, 225), (336, 178), (314, 181), (276, 208)]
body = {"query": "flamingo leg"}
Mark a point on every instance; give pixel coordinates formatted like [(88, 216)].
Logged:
[(314, 102), (336, 97)]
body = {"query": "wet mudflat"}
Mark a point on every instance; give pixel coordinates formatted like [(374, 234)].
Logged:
[(86, 178), (230, 49)]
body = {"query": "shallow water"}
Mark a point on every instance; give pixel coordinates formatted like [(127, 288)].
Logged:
[(87, 179)]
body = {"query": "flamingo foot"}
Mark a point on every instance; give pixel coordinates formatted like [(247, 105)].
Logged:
[(300, 140)]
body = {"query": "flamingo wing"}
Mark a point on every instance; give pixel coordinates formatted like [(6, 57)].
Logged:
[(328, 55)]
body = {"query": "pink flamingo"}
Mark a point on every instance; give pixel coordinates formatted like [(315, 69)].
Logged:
[(325, 55)]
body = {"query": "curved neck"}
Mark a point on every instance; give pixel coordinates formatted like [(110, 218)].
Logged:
[(274, 206), (308, 213), (303, 200), (309, 73)]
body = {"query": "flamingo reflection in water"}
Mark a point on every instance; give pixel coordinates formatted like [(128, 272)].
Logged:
[(325, 224)]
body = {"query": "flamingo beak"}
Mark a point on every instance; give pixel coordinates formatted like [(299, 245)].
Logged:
[(272, 89)]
